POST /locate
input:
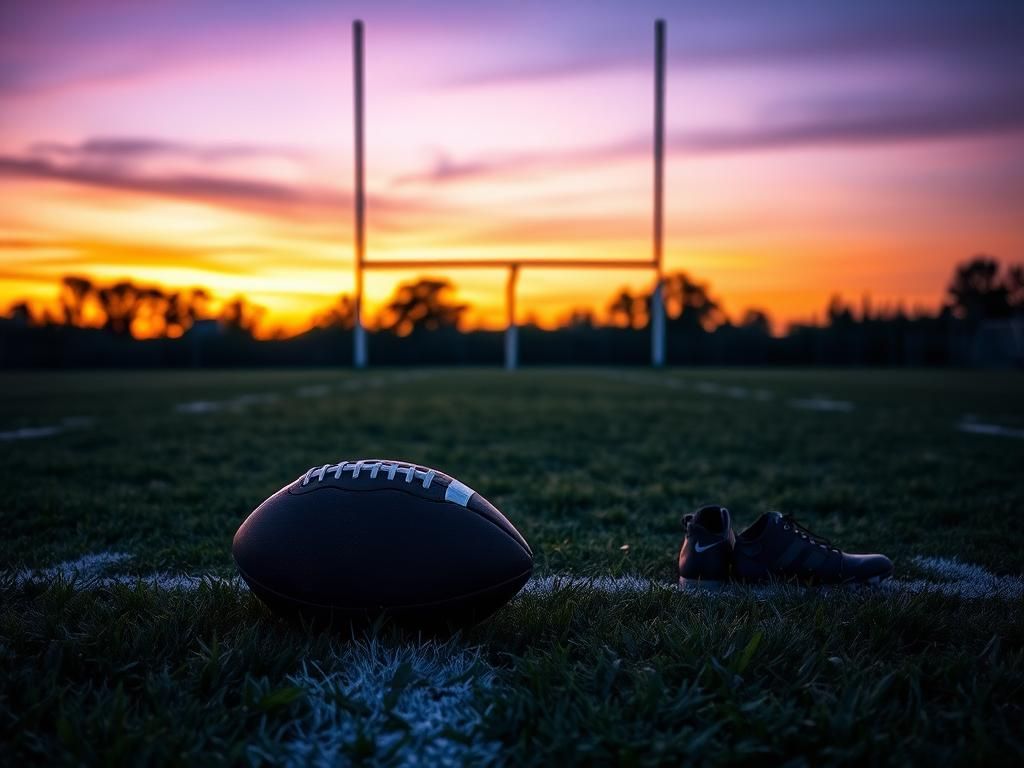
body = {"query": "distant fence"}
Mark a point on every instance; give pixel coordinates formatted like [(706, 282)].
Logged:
[(927, 342)]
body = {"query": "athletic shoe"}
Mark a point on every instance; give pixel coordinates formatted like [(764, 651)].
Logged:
[(777, 547), (706, 553)]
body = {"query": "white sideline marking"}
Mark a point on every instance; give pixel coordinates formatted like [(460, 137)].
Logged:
[(404, 701), (707, 388), (205, 407), (313, 390), (816, 402), (952, 578), (231, 404), (92, 570), (968, 424), (963, 580), (811, 403), (949, 577), (202, 407), (85, 567), (711, 388), (819, 403), (31, 433)]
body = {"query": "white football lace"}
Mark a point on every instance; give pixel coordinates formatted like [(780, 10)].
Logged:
[(410, 471)]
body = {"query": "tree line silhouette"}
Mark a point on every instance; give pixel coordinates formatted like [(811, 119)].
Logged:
[(981, 321)]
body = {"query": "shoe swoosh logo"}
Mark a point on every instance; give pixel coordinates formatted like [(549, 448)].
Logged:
[(699, 548)]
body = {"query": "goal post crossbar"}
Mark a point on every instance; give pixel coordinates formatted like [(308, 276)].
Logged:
[(508, 263), (514, 266)]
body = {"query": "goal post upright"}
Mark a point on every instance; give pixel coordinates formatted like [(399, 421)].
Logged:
[(361, 263), (358, 330), (657, 299), (511, 329)]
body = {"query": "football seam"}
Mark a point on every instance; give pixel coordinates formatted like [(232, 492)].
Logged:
[(436, 604), (421, 498)]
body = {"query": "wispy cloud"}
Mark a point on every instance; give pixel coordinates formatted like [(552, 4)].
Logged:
[(122, 165), (983, 41), (237, 192), (596, 230), (134, 148), (854, 122), (839, 122)]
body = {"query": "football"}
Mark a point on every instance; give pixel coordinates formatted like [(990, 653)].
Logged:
[(361, 538)]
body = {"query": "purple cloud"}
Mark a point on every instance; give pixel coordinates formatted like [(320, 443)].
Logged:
[(845, 122), (115, 164), (191, 186), (981, 41), (133, 148)]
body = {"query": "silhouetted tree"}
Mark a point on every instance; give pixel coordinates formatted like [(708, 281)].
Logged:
[(241, 316), (580, 317), (182, 308), (756, 321), (839, 313), (341, 314), (628, 310), (977, 292), (689, 305), (74, 293), (422, 304), (1015, 287), (21, 313), (122, 302)]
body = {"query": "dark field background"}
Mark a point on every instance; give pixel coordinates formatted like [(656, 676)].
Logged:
[(584, 462)]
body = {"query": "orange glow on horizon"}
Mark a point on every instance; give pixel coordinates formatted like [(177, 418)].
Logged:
[(788, 180)]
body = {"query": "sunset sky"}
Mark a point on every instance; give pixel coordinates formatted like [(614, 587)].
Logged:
[(813, 148)]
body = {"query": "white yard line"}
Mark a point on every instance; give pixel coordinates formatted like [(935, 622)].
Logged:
[(732, 391), (49, 430), (86, 567), (418, 704), (405, 701), (231, 404), (944, 576), (30, 433), (314, 390), (821, 403), (241, 402), (949, 577), (953, 577), (968, 424), (93, 570)]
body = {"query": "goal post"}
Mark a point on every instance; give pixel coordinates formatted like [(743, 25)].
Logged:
[(511, 327), (359, 198), (657, 300), (657, 309)]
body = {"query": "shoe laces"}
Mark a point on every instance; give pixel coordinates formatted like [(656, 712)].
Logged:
[(790, 523)]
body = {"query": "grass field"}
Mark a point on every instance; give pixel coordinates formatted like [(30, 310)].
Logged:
[(151, 651)]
